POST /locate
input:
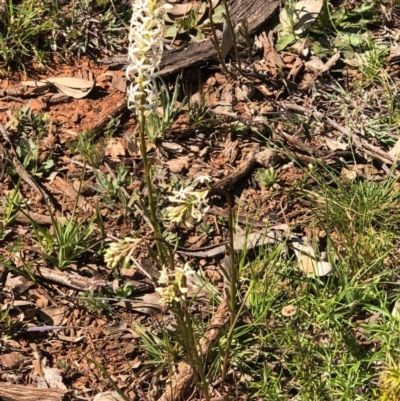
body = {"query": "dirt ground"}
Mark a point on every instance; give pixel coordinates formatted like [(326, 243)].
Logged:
[(99, 344)]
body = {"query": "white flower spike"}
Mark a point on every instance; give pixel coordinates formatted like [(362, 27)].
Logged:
[(145, 52)]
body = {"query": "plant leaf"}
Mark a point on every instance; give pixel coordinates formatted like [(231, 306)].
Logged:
[(286, 22), (171, 31), (285, 41), (344, 41)]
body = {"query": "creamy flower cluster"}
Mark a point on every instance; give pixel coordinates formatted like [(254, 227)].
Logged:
[(191, 204), (121, 251), (145, 52), (173, 285)]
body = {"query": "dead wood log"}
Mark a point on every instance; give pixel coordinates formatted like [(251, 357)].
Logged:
[(82, 283), (16, 392), (255, 12)]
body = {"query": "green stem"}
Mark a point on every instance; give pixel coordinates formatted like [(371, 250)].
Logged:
[(215, 42), (234, 283), (193, 349), (232, 30), (148, 177)]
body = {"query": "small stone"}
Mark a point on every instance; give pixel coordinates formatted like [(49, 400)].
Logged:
[(267, 158)]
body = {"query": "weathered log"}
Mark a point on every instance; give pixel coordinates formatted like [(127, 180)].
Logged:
[(255, 12), (16, 392)]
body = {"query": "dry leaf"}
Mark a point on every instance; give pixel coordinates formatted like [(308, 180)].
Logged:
[(52, 379), (114, 148), (76, 88), (108, 396), (334, 145), (178, 10), (396, 310), (395, 151), (315, 63), (307, 262), (305, 12), (11, 360)]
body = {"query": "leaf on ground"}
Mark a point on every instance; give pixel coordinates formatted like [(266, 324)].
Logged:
[(307, 12), (76, 88), (179, 10), (108, 396), (335, 145), (11, 360), (307, 262), (395, 151), (52, 379), (304, 13), (114, 148)]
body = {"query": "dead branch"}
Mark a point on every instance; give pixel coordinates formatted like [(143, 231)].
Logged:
[(16, 392)]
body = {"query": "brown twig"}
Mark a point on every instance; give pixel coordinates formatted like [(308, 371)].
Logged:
[(360, 144), (20, 169), (185, 376), (27, 217), (244, 168)]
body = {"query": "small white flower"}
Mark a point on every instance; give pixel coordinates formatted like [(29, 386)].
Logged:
[(173, 286), (181, 195), (203, 178), (164, 277), (192, 206), (121, 251), (176, 214)]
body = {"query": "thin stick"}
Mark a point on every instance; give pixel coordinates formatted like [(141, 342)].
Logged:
[(20, 169)]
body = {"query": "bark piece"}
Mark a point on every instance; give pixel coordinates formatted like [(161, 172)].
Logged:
[(15, 392), (255, 12), (81, 283)]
